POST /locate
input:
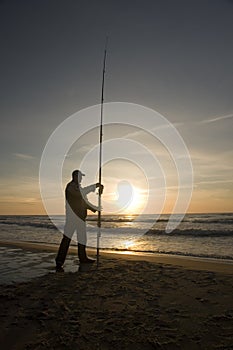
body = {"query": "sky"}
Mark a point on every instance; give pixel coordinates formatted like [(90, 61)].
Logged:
[(172, 56)]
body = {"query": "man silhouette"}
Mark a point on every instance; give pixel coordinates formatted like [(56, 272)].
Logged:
[(77, 205)]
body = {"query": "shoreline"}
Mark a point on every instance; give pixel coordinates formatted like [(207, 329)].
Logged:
[(186, 262)]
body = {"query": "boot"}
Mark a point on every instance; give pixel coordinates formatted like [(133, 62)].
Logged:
[(83, 256), (62, 252)]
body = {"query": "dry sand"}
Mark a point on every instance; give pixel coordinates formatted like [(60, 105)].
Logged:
[(128, 303)]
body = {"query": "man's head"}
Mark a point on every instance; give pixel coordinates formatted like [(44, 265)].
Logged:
[(77, 176)]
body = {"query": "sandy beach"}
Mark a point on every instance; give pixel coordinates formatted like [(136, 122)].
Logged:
[(130, 302)]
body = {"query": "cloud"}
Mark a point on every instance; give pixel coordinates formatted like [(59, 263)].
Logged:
[(23, 156), (80, 150), (20, 200), (216, 119), (140, 133), (168, 126), (224, 181)]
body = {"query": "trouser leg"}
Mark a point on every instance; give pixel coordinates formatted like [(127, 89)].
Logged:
[(63, 249), (82, 255), (81, 231), (81, 252)]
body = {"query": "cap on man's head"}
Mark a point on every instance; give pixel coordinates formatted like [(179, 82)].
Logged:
[(76, 173)]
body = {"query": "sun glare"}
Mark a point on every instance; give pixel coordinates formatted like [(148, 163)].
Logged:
[(128, 244), (130, 199)]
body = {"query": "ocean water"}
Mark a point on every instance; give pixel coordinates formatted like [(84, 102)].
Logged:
[(198, 235)]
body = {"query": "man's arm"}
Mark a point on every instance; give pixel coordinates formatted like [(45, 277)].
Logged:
[(88, 189), (91, 207), (91, 188)]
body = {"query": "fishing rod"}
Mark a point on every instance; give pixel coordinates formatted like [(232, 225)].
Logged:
[(100, 152)]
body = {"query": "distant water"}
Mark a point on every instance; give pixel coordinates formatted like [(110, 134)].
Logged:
[(198, 235)]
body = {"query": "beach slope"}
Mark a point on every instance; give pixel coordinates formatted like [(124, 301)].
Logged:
[(127, 303)]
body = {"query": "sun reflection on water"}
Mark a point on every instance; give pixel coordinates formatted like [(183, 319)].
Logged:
[(129, 244)]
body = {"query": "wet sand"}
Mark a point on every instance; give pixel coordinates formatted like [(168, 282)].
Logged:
[(130, 302)]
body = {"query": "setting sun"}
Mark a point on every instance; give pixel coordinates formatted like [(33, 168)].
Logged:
[(130, 199)]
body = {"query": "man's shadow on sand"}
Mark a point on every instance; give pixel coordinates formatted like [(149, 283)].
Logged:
[(86, 267)]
